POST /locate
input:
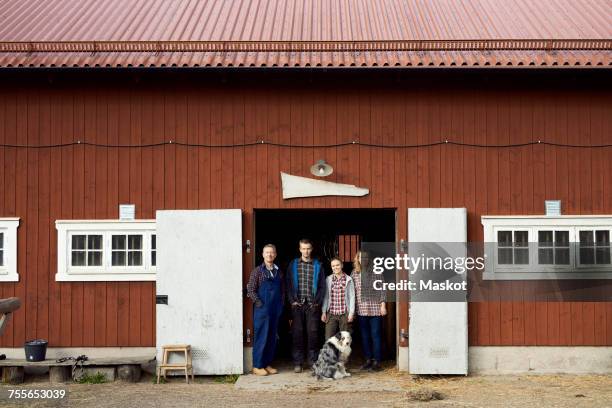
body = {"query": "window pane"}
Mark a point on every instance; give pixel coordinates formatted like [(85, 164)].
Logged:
[(504, 238), (545, 256), (1, 257), (545, 238), (602, 256), (118, 241), (504, 256), (134, 258), (118, 258), (94, 242), (602, 238), (587, 256), (521, 256), (586, 238), (94, 258), (1, 240), (78, 258), (134, 241), (78, 242), (153, 250), (562, 238), (521, 238), (562, 256)]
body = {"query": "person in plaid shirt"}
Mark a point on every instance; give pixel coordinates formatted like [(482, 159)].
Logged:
[(266, 290), (305, 292), (371, 308), (339, 303)]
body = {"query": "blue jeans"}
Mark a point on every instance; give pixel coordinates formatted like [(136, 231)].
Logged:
[(371, 330)]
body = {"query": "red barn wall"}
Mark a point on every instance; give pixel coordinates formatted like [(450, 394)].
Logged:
[(85, 182)]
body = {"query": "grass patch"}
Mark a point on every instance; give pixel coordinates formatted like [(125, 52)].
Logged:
[(162, 380), (425, 394), (227, 379), (97, 378)]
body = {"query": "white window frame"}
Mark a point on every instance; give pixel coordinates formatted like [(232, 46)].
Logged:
[(146, 246), (513, 267), (535, 223), (67, 228), (581, 266), (554, 267), (8, 271), (150, 248)]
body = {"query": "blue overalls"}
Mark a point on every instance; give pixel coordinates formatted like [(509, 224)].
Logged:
[(265, 318)]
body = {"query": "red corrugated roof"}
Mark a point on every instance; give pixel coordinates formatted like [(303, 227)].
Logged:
[(306, 33)]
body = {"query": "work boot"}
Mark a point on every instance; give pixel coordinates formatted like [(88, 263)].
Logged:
[(271, 370), (260, 371), (375, 366), (367, 365), (297, 369)]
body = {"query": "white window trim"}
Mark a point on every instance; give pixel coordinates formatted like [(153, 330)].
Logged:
[(594, 266), (533, 223), (106, 272), (8, 271)]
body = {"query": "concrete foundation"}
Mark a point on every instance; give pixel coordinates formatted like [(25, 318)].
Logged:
[(91, 352), (483, 360), (248, 359), (494, 360), (540, 360), (402, 359)]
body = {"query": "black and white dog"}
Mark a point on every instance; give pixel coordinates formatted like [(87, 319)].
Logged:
[(333, 356)]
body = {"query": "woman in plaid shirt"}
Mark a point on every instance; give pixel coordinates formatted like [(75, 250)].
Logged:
[(371, 308), (339, 302)]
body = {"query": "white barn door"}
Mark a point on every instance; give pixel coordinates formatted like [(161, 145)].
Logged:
[(438, 331), (199, 287)]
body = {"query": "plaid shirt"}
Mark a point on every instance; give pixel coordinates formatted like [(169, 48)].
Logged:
[(337, 303), (305, 275), (258, 275), (366, 306)]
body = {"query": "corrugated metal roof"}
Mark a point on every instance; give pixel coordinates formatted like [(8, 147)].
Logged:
[(305, 33)]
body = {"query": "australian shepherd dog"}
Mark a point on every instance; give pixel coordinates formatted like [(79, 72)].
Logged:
[(333, 357)]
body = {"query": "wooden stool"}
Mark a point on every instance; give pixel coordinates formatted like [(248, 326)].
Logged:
[(186, 365)]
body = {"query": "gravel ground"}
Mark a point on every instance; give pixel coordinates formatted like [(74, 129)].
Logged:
[(476, 391)]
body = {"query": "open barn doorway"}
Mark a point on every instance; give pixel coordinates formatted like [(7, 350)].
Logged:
[(333, 232)]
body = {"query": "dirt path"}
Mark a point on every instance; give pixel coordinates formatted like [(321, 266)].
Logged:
[(503, 391)]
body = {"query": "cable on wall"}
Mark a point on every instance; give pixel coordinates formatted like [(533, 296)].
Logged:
[(304, 146)]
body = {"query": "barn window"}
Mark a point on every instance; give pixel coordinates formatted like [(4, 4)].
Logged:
[(553, 247), (100, 250), (594, 248), (86, 250), (8, 249), (127, 250), (513, 248), (547, 247)]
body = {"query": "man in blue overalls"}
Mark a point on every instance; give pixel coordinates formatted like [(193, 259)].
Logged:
[(266, 290)]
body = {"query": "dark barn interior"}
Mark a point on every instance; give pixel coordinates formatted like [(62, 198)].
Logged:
[(332, 232)]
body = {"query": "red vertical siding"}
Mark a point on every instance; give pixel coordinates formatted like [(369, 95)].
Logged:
[(76, 182)]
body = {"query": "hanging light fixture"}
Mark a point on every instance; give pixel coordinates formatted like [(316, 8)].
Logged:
[(321, 169)]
